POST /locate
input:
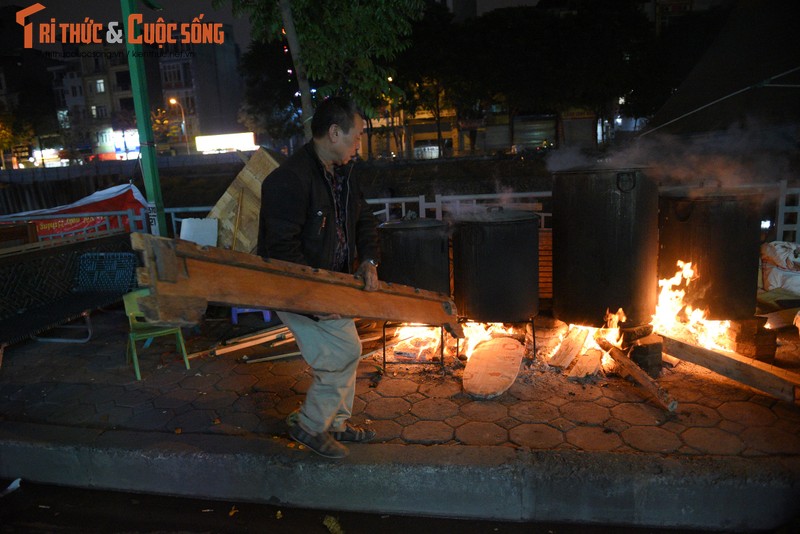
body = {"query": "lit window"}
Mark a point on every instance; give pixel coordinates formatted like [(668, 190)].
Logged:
[(100, 86), (63, 118)]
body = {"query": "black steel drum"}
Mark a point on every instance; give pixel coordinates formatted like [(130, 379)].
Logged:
[(496, 266), (719, 231), (605, 246), (415, 253)]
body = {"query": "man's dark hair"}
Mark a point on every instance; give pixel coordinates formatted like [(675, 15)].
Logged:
[(334, 110)]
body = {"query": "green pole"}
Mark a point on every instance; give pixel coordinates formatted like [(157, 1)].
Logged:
[(147, 146)]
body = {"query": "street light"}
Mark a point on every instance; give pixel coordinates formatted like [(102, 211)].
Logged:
[(174, 102)]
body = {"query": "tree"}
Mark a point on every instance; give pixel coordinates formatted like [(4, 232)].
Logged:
[(512, 61), (6, 137), (661, 65), (342, 43), (423, 68), (14, 131), (270, 105), (162, 127), (76, 133)]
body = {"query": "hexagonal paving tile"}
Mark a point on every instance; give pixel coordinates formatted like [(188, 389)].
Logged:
[(396, 387), (477, 433), (444, 389), (388, 408), (638, 413), (536, 436), (289, 404), (651, 439), (176, 398), (434, 409), (200, 382), (584, 412), (215, 399), (487, 411), (697, 415), (238, 383), (533, 412), (385, 430), (289, 367), (747, 413), (428, 432), (769, 440), (593, 438), (712, 441)]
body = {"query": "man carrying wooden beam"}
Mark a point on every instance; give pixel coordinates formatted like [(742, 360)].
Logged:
[(313, 213)]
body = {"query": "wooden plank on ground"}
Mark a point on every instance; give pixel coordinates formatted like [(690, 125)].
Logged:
[(493, 367), (588, 364), (775, 381), (570, 347), (628, 367), (238, 208), (195, 276)]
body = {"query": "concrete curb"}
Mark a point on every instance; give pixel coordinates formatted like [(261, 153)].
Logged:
[(469, 482)]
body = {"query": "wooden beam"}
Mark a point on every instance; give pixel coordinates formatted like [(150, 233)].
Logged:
[(569, 348), (587, 364), (178, 272), (775, 381), (628, 367)]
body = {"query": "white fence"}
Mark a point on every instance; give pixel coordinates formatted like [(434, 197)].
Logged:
[(386, 209), (788, 222), (454, 205)]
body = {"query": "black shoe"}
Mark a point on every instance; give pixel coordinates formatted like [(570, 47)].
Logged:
[(322, 443), (354, 434)]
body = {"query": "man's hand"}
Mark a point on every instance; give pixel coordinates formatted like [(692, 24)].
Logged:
[(369, 273)]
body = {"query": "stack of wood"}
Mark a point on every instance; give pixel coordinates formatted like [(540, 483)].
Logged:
[(589, 361), (238, 208), (751, 338), (423, 349)]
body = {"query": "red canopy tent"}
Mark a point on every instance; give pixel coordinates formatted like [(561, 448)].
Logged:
[(120, 198)]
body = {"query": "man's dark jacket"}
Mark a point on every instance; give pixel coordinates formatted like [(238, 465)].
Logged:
[(296, 223)]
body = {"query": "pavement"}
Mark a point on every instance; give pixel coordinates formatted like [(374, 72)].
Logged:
[(550, 449)]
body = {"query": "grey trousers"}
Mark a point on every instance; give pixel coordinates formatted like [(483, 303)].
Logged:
[(333, 350)]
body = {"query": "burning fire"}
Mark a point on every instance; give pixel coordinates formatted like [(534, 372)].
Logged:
[(674, 316), (475, 333), (417, 342), (610, 333), (422, 342)]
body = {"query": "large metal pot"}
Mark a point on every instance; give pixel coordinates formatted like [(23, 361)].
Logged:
[(719, 231), (496, 266), (605, 245), (415, 253)]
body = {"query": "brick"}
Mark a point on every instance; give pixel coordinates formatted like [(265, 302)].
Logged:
[(646, 353)]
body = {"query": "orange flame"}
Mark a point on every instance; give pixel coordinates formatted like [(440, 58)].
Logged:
[(674, 316), (416, 340), (475, 333), (610, 334)]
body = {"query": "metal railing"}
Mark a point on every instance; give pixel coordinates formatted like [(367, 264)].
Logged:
[(454, 205), (175, 216), (443, 206), (788, 222)]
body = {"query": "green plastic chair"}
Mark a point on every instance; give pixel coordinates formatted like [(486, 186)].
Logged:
[(140, 329)]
